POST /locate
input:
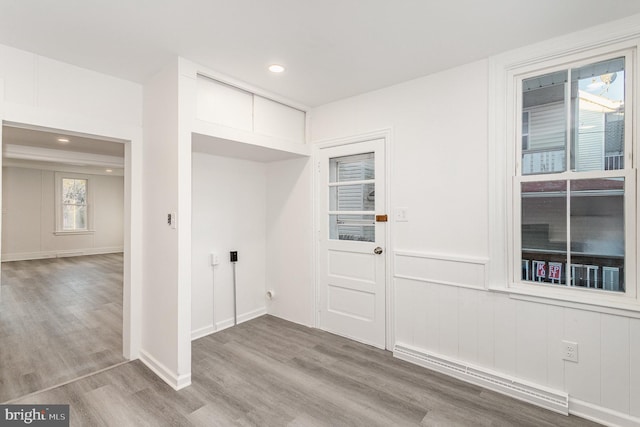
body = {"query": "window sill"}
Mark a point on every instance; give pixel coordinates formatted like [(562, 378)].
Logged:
[(73, 233), (618, 305)]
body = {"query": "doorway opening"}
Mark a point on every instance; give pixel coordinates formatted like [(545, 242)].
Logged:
[(64, 228)]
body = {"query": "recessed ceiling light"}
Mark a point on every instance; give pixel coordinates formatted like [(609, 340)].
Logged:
[(108, 170), (276, 68), (63, 140)]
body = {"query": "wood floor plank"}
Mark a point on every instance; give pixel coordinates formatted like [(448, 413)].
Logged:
[(270, 372), (60, 319)]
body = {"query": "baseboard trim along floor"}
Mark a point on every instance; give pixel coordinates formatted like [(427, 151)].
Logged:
[(544, 397)]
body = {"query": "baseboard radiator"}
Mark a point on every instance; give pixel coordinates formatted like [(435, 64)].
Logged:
[(544, 397)]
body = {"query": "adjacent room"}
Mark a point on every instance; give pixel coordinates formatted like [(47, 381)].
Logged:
[(62, 263), (354, 212)]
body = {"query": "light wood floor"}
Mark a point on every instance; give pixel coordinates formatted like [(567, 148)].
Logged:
[(270, 372), (60, 318)]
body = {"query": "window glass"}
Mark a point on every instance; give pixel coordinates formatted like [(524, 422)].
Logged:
[(345, 196), (597, 96), (544, 231), (544, 108), (358, 197), (525, 130), (74, 204), (352, 227), (597, 233), (352, 168)]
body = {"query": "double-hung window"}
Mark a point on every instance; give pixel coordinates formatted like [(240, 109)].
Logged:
[(565, 132), (74, 204)]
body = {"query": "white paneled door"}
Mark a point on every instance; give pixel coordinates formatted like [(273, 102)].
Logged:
[(352, 221)]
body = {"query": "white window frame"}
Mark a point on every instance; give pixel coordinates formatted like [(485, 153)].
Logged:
[(506, 73), (60, 231)]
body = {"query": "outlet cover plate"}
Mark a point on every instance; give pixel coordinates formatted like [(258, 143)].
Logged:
[(570, 351)]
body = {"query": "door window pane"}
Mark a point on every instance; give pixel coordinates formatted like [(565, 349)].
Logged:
[(352, 168), (358, 197), (344, 196), (597, 96), (544, 108), (544, 231), (352, 227)]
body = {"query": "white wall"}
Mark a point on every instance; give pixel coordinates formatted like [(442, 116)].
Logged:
[(439, 172), (63, 89), (28, 220), (290, 239), (160, 347), (228, 214), (262, 210)]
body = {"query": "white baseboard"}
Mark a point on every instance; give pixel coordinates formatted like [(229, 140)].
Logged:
[(203, 332), (554, 400), (27, 256), (176, 381), (601, 415), (227, 323)]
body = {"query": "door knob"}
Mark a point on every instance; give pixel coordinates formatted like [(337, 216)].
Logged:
[(377, 250)]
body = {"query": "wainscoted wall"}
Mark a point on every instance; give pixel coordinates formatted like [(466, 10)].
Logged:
[(28, 216), (441, 269), (439, 172), (516, 337)]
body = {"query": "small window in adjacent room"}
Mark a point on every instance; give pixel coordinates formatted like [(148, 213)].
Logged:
[(72, 203)]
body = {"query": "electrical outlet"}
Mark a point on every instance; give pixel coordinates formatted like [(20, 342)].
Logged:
[(570, 351), (215, 258)]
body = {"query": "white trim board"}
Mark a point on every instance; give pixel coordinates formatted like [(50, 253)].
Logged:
[(227, 323), (443, 269), (174, 380), (601, 415), (26, 256), (12, 151), (554, 400)]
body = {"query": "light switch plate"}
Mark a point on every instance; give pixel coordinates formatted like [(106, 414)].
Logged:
[(172, 220)]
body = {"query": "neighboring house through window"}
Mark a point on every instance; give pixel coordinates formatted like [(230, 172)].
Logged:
[(572, 182)]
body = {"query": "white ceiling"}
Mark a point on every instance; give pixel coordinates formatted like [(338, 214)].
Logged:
[(40, 149), (17, 136), (332, 48)]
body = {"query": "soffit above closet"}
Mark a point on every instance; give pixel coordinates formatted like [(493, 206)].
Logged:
[(238, 150)]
